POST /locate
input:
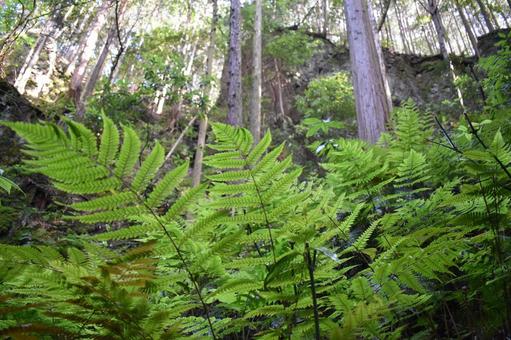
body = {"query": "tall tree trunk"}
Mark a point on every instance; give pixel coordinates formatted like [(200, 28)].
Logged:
[(255, 102), (493, 17), (485, 15), (44, 80), (385, 11), (403, 19), (435, 15), (424, 32), (388, 29), (371, 95), (100, 63), (280, 97), (234, 100), (88, 51), (203, 125), (439, 27), (30, 61), (401, 29), (96, 72), (325, 16), (72, 54), (475, 17), (468, 28)]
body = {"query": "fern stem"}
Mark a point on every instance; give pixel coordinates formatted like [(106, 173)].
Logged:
[(183, 261), (476, 135), (268, 225), (311, 263), (176, 248), (359, 252)]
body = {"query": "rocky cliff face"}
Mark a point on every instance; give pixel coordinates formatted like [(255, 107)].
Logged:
[(424, 79)]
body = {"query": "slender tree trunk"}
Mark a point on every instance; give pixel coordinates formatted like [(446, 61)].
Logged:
[(72, 54), (384, 13), (325, 16), (234, 100), (30, 61), (439, 27), (485, 15), (453, 23), (493, 17), (203, 125), (96, 73), (403, 20), (463, 45), (280, 97), (88, 52), (371, 96), (388, 29), (468, 29), (255, 102), (424, 32), (483, 29), (45, 79), (435, 15), (118, 60), (401, 29), (100, 63)]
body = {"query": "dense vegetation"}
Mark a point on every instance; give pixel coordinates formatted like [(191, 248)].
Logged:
[(408, 237)]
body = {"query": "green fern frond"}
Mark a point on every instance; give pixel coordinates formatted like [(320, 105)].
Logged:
[(109, 142), (148, 168), (165, 187), (128, 155)]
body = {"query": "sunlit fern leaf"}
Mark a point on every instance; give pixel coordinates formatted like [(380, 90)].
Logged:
[(84, 136), (129, 153), (362, 240), (79, 168), (413, 170), (167, 184), (109, 141), (106, 202), (148, 168), (229, 137), (261, 147)]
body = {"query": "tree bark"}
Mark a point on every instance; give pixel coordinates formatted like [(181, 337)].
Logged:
[(371, 95), (234, 100), (88, 52), (203, 125), (255, 102), (468, 29)]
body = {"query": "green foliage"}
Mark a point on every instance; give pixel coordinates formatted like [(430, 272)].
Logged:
[(6, 184), (395, 235), (122, 104), (292, 48), (328, 98), (497, 84)]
